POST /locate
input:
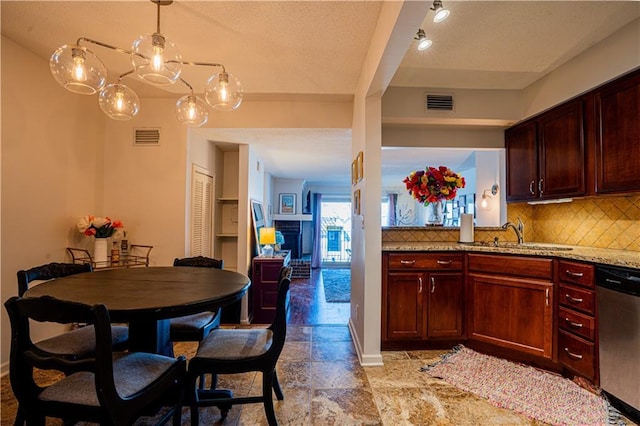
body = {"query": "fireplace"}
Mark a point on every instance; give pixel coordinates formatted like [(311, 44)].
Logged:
[(292, 233)]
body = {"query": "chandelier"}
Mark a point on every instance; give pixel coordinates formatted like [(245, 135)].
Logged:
[(156, 60)]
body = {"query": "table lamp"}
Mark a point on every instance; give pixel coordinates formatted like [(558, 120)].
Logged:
[(267, 237)]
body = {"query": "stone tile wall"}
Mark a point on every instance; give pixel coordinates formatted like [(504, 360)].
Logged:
[(602, 222)]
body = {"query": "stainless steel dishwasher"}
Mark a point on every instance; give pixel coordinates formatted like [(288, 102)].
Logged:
[(618, 304)]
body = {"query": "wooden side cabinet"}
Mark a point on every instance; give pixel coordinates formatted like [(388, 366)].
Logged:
[(264, 282), (422, 297)]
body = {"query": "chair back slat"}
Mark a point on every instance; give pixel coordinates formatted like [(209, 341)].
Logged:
[(49, 271)]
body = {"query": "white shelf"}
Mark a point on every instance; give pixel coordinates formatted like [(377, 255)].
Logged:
[(227, 200), (226, 235)]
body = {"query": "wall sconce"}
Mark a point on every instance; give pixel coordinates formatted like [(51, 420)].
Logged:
[(267, 237), (493, 191)]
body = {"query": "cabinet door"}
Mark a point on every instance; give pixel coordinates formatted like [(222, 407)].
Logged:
[(266, 274), (445, 305), (405, 305), (512, 313), (617, 136), (522, 161), (561, 152)]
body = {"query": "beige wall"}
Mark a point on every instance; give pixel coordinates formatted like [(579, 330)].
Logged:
[(50, 168)]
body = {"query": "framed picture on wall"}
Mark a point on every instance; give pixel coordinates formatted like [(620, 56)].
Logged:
[(354, 173), (287, 204), (257, 214), (360, 165)]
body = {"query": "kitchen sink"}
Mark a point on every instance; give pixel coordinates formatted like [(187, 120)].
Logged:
[(524, 246)]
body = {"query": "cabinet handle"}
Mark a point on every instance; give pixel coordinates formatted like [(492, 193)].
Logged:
[(573, 324), (573, 299), (408, 262), (420, 285), (572, 355), (546, 297), (433, 285), (531, 190), (444, 262), (574, 274), (541, 186)]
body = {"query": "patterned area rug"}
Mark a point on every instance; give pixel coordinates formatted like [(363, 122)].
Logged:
[(337, 285), (535, 393)]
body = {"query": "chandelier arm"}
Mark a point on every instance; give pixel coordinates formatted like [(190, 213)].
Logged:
[(187, 84), (203, 64), (108, 46), (123, 75)]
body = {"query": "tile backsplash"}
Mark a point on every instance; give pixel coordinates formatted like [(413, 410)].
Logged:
[(602, 222)]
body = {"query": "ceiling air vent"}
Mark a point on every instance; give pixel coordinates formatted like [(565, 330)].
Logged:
[(439, 102), (146, 137)]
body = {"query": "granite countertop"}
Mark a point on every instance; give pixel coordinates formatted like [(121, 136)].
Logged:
[(624, 258)]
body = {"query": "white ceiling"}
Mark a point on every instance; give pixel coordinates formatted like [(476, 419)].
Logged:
[(279, 48)]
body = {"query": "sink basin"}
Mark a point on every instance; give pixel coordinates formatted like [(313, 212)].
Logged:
[(525, 246)]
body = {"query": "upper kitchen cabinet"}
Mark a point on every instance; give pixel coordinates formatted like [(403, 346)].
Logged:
[(546, 155), (617, 135)]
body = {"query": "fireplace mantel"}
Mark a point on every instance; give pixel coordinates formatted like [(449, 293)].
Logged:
[(297, 217)]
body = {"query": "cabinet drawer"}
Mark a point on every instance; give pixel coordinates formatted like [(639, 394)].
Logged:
[(433, 261), (532, 267), (577, 298), (577, 323), (577, 273), (577, 354)]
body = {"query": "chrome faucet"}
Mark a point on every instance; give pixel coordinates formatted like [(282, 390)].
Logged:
[(519, 229)]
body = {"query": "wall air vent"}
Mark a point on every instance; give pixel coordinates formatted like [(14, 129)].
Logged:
[(146, 137), (439, 102)]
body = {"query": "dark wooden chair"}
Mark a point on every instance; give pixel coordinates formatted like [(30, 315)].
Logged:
[(232, 351), (194, 328), (78, 343), (109, 388)]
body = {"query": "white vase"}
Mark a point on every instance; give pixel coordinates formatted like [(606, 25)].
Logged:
[(435, 215), (100, 252)]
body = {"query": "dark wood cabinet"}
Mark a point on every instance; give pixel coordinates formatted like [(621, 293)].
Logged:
[(511, 307), (617, 135), (422, 297), (577, 336), (264, 282), (546, 155)]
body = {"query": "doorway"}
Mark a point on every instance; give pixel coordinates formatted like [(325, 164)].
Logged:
[(336, 232)]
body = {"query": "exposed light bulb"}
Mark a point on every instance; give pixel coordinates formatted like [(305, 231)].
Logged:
[(484, 204), (223, 94), (157, 61), (79, 71), (119, 100), (192, 110)]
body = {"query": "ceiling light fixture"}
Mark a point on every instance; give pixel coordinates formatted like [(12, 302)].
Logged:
[(423, 42), (441, 12), (156, 60)]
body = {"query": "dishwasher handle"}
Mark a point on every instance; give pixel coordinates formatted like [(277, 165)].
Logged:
[(622, 280)]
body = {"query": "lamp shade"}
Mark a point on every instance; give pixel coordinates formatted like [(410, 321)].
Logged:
[(78, 69), (192, 111), (156, 59), (119, 102), (267, 235), (223, 92)]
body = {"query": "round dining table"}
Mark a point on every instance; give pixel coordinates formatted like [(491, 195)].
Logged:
[(147, 298)]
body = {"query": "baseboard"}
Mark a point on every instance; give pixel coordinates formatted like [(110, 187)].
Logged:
[(365, 360)]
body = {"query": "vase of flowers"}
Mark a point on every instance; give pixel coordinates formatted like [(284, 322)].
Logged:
[(101, 228), (431, 187)]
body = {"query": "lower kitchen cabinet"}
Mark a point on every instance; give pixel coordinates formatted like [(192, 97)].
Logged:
[(422, 300), (577, 337), (511, 311)]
